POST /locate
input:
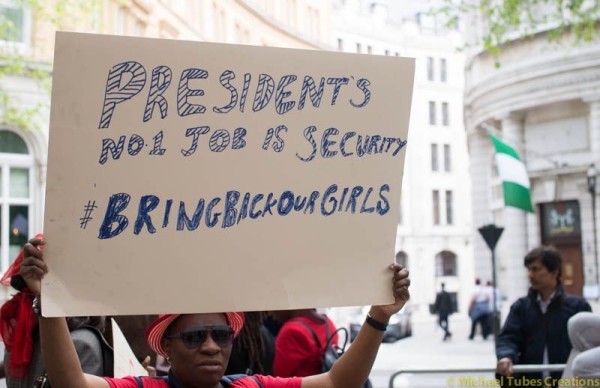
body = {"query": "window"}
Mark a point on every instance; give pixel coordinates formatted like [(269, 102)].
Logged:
[(434, 157), (15, 196), (445, 264), (340, 44), (447, 158), (402, 259), (436, 207), (432, 113), (358, 48), (443, 70), (445, 119), (14, 22), (429, 69), (449, 209)]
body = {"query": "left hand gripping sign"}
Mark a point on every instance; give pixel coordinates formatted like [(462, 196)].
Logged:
[(182, 172)]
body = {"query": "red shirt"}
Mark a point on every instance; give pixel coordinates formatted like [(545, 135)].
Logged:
[(296, 352), (267, 382)]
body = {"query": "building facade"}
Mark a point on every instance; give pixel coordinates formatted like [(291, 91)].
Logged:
[(434, 237), (543, 100), (302, 24)]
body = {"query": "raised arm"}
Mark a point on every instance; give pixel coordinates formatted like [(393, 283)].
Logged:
[(353, 368), (60, 358)]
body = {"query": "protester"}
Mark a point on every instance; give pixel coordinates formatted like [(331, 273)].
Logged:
[(443, 308), (584, 360), (253, 351), (479, 310), (23, 363), (297, 352), (198, 345), (535, 331)]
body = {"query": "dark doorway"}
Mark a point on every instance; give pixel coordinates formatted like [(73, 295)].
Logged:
[(561, 227)]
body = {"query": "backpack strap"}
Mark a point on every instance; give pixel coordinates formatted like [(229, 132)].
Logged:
[(108, 359), (229, 379), (314, 335), (140, 381)]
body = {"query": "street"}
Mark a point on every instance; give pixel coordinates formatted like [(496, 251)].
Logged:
[(425, 349)]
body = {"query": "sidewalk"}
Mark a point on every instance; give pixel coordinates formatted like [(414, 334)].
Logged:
[(425, 349)]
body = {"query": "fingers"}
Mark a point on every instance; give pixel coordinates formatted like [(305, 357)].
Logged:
[(33, 247), (33, 260), (401, 282)]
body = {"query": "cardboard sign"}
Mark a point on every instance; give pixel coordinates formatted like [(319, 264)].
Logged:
[(126, 364), (199, 177)]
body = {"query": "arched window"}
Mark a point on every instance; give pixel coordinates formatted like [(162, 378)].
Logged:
[(446, 264), (402, 259), (16, 164)]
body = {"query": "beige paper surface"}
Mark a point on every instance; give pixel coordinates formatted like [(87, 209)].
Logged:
[(126, 364), (199, 177)]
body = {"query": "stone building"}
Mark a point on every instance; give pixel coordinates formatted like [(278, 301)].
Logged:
[(303, 24), (544, 100), (434, 237)]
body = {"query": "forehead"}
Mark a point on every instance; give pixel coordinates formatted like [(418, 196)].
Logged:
[(537, 264), (195, 320)]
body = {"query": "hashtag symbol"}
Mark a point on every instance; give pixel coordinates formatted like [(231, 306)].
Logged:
[(87, 213)]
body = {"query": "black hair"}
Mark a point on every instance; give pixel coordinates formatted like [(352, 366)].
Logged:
[(548, 256)]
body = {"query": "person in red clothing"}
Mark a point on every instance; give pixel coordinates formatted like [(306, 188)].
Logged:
[(296, 350), (198, 346)]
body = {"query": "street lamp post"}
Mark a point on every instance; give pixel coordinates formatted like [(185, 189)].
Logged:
[(491, 233), (592, 175)]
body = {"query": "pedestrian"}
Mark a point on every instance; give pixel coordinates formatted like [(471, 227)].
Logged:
[(584, 360), (198, 345), (443, 308), (23, 363), (493, 295), (297, 352), (535, 331), (479, 310)]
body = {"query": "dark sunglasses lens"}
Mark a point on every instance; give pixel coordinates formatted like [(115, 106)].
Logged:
[(223, 337), (193, 339)]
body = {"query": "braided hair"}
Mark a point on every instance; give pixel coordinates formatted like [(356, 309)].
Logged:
[(251, 341)]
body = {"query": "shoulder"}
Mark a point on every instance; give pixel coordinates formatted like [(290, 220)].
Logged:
[(130, 382), (86, 342), (270, 382), (576, 303)]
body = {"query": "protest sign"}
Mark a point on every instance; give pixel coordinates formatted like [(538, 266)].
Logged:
[(125, 362), (201, 177)]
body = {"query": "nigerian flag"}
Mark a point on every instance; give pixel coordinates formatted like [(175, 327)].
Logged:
[(513, 173)]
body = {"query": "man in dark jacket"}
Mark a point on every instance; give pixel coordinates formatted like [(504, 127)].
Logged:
[(443, 308), (535, 331)]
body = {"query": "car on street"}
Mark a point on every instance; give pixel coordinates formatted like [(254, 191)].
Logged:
[(399, 327)]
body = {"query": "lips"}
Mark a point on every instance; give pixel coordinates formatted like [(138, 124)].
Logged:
[(210, 365)]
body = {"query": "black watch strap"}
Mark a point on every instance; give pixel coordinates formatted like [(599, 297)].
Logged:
[(375, 324)]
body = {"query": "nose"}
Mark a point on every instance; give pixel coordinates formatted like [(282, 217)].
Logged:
[(209, 345)]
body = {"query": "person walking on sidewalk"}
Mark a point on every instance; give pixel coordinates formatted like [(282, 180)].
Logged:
[(479, 310), (535, 331), (443, 308)]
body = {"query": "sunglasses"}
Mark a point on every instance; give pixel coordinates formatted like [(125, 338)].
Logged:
[(192, 338)]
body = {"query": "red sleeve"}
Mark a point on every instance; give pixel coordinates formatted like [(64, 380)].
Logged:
[(292, 348), (130, 382), (275, 382)]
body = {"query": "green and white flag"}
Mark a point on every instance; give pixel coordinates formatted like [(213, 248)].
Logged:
[(515, 181)]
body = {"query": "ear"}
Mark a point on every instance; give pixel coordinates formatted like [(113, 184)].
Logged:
[(166, 345)]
